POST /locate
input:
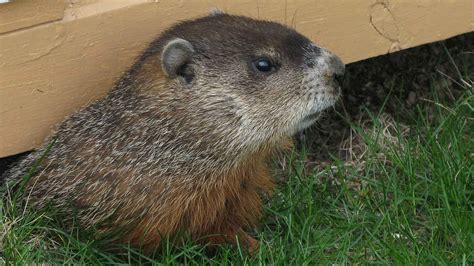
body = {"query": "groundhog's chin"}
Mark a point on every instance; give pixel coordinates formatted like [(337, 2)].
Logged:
[(325, 100), (308, 121)]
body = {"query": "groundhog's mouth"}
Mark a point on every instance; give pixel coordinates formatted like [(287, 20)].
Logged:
[(323, 103), (311, 117)]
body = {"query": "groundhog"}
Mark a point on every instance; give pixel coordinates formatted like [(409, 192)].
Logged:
[(182, 141)]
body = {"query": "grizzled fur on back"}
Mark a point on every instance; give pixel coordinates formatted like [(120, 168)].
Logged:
[(186, 151)]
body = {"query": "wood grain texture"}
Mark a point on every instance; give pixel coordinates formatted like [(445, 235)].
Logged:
[(50, 70), (20, 14)]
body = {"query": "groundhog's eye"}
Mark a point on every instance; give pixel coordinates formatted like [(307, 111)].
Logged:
[(263, 64)]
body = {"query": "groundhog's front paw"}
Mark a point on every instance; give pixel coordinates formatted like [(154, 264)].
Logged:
[(247, 242), (236, 237)]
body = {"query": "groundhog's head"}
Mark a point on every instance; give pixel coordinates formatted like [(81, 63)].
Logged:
[(257, 78)]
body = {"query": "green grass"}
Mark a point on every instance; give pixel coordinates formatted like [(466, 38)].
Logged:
[(406, 197)]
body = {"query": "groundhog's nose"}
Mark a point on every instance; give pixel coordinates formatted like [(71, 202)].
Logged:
[(339, 78), (336, 68)]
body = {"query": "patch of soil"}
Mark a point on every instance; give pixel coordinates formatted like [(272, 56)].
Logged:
[(394, 84)]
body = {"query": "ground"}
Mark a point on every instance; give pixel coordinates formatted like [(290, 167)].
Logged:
[(386, 177)]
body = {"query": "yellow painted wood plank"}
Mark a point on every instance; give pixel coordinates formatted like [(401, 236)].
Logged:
[(20, 14)]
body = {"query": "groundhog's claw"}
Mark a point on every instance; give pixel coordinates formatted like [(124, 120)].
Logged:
[(247, 242)]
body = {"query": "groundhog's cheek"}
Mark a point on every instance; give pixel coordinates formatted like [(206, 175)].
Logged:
[(319, 94)]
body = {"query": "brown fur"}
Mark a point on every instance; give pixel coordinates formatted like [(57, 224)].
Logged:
[(218, 210), (214, 213)]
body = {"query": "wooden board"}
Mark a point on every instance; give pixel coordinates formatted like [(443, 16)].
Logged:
[(52, 69), (22, 13)]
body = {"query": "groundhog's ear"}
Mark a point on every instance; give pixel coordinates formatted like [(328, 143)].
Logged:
[(176, 54), (216, 12)]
